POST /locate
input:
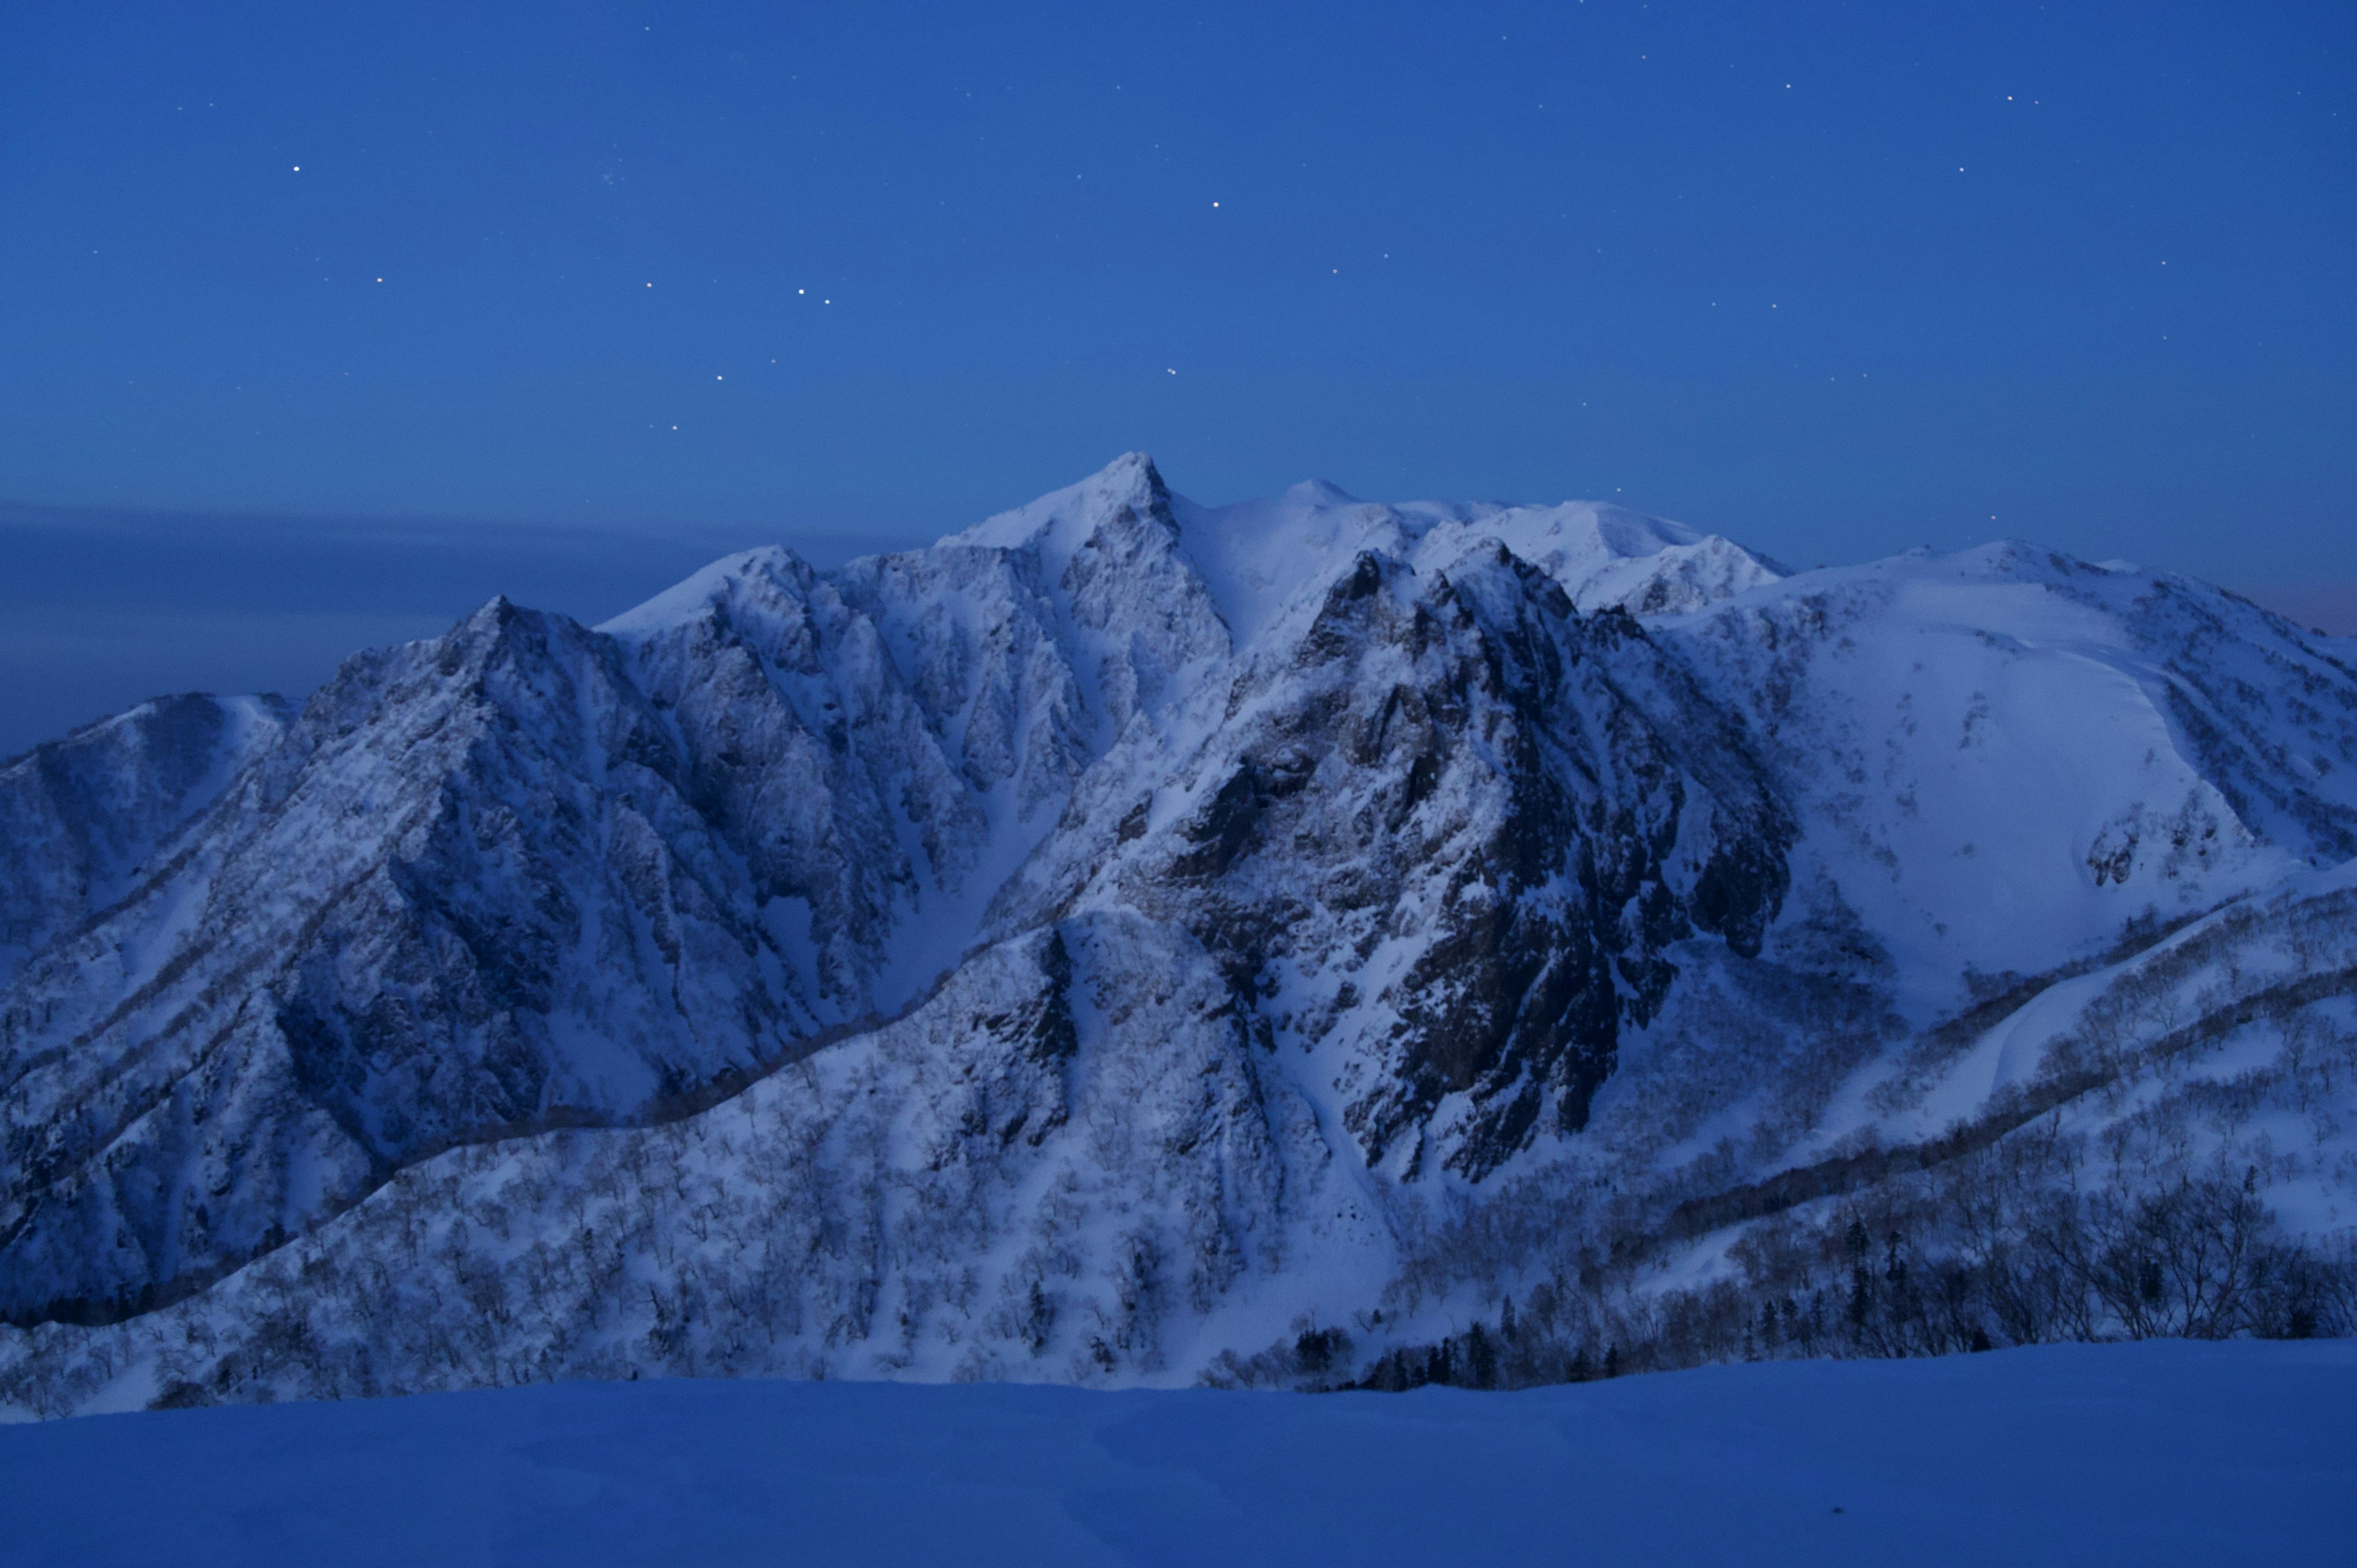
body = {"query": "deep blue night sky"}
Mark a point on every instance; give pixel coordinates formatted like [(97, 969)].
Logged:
[(1832, 280)]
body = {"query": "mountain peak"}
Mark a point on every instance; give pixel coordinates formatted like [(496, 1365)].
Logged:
[(1131, 473), (1319, 492), (695, 594), (1062, 518)]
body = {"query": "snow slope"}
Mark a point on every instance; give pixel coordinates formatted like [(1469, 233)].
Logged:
[(2147, 1455), (2005, 753), (82, 818)]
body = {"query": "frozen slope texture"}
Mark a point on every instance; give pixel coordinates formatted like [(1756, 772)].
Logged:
[(2005, 754), (83, 819), (2153, 1455), (1127, 933)]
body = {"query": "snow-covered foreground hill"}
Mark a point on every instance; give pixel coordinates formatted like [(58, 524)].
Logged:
[(2137, 1455), (1299, 942)]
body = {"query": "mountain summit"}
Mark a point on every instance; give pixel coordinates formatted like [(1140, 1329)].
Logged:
[(1127, 934)]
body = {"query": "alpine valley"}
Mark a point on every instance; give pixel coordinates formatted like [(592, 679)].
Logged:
[(1129, 942)]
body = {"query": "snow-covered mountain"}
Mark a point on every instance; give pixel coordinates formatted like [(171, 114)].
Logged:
[(1128, 934)]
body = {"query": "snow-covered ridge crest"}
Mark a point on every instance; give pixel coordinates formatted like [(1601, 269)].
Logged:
[(1257, 556), (1260, 554), (1412, 854)]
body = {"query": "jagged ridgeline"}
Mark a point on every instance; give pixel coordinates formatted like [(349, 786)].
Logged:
[(1302, 941)]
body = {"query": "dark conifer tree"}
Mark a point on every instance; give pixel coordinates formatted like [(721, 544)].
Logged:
[(1481, 1358)]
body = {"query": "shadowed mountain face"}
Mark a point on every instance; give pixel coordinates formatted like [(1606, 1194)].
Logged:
[(1439, 829), (1150, 899)]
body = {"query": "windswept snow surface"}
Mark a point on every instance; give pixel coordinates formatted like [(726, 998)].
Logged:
[(2143, 1457)]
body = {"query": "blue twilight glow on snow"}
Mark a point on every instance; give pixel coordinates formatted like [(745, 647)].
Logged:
[(2150, 1454)]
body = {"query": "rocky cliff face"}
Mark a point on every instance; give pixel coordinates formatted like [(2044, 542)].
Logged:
[(1102, 939), (1437, 833)]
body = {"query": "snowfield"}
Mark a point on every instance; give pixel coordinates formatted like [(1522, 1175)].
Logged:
[(2138, 1455)]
